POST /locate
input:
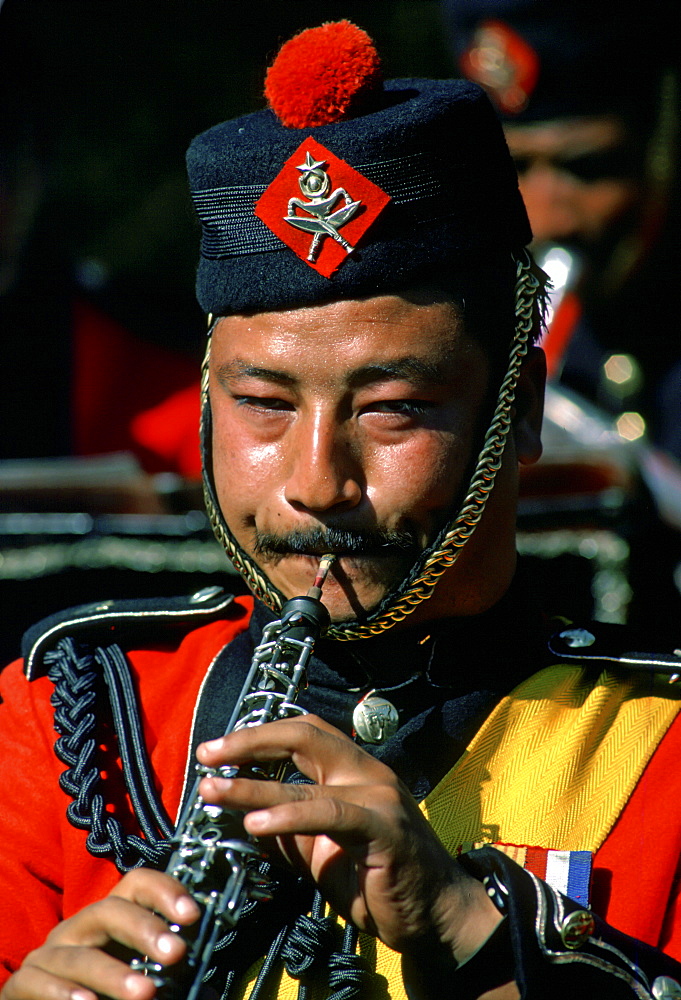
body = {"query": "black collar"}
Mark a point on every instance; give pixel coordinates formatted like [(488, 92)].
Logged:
[(443, 677)]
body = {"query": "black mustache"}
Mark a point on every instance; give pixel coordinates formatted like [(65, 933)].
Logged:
[(340, 541)]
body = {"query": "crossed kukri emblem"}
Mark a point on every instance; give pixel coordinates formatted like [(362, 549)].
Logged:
[(321, 221)]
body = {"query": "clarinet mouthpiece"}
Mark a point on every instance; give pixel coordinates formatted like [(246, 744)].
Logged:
[(325, 564)]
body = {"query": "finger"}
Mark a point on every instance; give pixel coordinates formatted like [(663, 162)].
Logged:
[(354, 813), (280, 736), (319, 750), (247, 794), (344, 822), (81, 972), (120, 921), (31, 983), (159, 892)]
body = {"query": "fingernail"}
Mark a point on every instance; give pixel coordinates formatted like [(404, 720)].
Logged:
[(186, 907), (133, 984), (213, 744), (258, 820), (165, 943)]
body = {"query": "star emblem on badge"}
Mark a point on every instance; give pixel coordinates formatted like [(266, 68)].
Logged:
[(311, 164)]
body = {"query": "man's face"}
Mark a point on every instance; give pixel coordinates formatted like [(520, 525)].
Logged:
[(354, 421), (573, 176)]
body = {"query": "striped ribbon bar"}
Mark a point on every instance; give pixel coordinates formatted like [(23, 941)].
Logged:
[(568, 872)]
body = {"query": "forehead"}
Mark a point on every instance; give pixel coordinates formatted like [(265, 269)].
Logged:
[(345, 333), (570, 136)]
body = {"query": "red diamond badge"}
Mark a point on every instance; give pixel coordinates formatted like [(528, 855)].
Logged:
[(320, 206)]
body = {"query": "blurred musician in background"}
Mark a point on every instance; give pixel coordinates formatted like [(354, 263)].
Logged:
[(588, 97), (589, 100)]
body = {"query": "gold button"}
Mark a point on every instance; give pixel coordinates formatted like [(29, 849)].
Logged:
[(666, 988), (576, 928)]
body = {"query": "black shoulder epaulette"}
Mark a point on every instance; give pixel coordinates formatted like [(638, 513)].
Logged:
[(122, 622), (614, 645)]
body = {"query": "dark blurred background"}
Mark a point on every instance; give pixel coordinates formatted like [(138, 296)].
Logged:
[(102, 338)]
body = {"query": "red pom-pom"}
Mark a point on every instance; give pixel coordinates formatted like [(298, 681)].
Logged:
[(322, 75)]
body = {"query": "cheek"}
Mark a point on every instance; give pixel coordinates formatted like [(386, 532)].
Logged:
[(440, 474), (242, 468), (605, 201), (422, 475), (559, 205), (550, 203)]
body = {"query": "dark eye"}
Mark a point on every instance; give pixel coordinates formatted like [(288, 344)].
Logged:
[(409, 407), (263, 402), (605, 164), (589, 167)]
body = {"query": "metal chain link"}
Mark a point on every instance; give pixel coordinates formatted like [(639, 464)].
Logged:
[(445, 550)]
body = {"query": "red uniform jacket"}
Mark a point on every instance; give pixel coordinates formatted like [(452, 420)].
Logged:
[(47, 874)]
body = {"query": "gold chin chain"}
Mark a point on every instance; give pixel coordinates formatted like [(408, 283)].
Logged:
[(444, 552)]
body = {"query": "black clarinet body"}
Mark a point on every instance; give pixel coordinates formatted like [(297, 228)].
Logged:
[(213, 856)]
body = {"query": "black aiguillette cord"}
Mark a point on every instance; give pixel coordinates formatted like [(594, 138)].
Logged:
[(149, 809)]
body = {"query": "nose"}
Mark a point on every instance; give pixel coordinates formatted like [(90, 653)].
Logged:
[(326, 471)]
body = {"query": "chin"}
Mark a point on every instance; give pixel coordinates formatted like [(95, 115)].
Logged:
[(342, 610)]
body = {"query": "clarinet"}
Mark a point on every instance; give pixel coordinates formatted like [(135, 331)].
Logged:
[(213, 856)]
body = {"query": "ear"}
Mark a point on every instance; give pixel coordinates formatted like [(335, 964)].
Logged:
[(528, 410)]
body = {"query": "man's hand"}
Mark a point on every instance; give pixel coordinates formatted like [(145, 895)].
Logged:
[(360, 835), (76, 961)]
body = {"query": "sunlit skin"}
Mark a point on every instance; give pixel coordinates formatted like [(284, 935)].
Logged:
[(562, 205), (361, 414), (358, 414)]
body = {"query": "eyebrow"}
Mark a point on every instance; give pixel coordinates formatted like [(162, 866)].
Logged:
[(409, 368), (241, 369)]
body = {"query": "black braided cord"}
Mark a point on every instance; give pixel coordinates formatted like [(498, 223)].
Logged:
[(151, 815), (317, 952), (76, 678), (314, 949)]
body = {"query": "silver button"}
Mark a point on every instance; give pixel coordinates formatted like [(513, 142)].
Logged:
[(375, 719), (666, 988), (205, 595), (577, 637), (577, 928)]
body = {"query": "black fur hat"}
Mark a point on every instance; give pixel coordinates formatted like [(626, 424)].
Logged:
[(368, 203)]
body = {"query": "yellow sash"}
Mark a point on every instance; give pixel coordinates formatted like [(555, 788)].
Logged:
[(552, 766), (556, 762)]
